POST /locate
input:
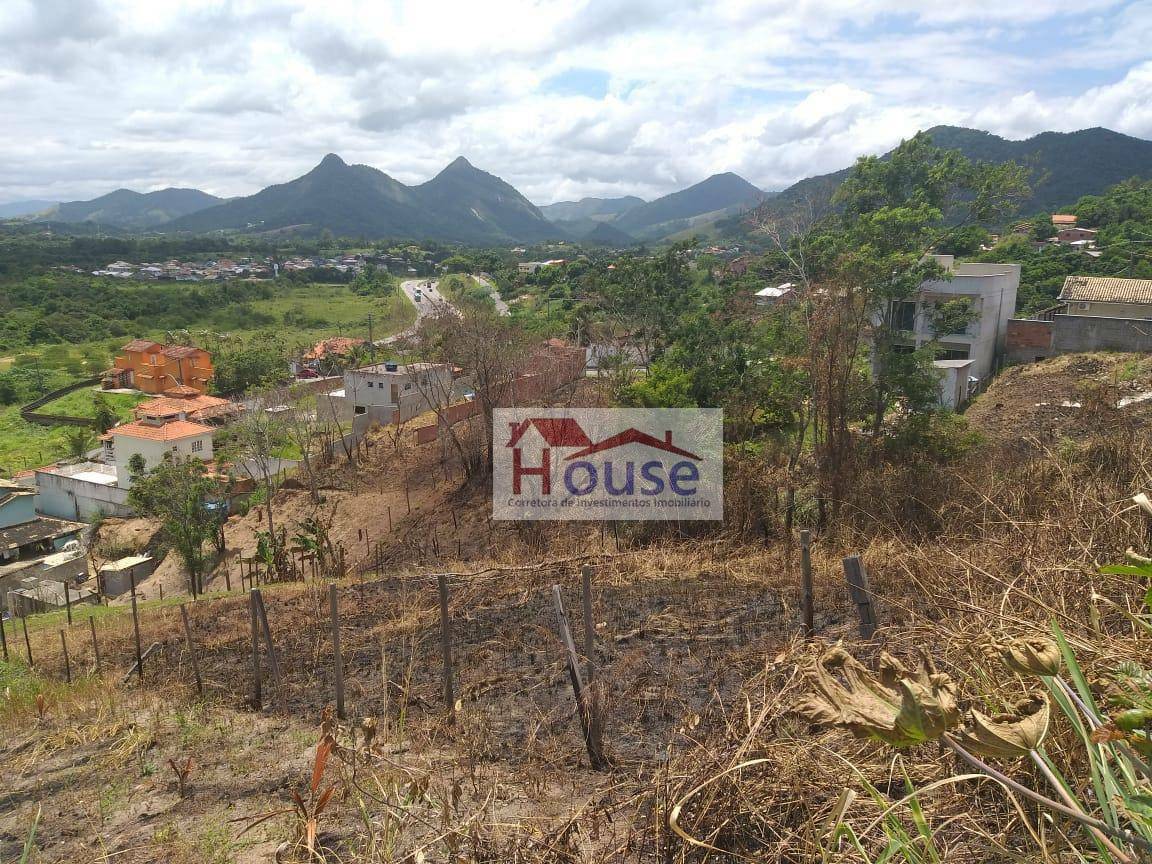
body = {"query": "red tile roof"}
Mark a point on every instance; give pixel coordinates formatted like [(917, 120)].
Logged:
[(177, 352), (196, 407), (139, 345), (172, 431)]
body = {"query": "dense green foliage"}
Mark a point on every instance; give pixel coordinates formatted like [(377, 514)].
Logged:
[(1123, 217), (66, 307)]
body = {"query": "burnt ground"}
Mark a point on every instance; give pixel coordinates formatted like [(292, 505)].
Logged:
[(676, 640)]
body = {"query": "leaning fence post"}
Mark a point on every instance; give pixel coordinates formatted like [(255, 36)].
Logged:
[(446, 645), (67, 660), (136, 633), (806, 581), (860, 592), (273, 662), (338, 658), (95, 646), (595, 754), (257, 700), (191, 649), (27, 641)]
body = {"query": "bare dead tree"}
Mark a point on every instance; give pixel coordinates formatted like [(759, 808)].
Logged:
[(492, 351)]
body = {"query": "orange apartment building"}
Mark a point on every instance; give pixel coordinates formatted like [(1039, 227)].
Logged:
[(154, 368)]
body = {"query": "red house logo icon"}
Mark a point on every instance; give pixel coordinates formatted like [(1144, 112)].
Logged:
[(567, 433)]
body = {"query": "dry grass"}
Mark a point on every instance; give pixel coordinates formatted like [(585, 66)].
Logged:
[(700, 664)]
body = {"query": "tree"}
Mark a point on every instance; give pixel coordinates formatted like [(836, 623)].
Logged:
[(853, 270), (176, 492), (256, 442), (103, 413), (259, 362), (896, 210), (80, 441), (492, 350)]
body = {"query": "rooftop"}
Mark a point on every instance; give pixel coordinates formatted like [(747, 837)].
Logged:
[(401, 368), (42, 528), (93, 472), (124, 563), (138, 345), (1106, 289), (173, 430), (196, 406), (776, 290)]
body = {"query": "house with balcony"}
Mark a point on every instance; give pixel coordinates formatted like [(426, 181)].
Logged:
[(152, 367), (968, 358)]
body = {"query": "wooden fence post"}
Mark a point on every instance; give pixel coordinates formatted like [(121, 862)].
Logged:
[(273, 661), (68, 602), (389, 518), (136, 633), (806, 581), (3, 640), (595, 755), (155, 646), (95, 646), (67, 660), (191, 650), (407, 499), (861, 594), (257, 699), (27, 641), (595, 720), (446, 645), (338, 657)]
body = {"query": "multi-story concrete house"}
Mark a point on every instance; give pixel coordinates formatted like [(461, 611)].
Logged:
[(973, 354)]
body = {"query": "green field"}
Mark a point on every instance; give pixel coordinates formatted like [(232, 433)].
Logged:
[(29, 445), (312, 312), (82, 403), (299, 315)]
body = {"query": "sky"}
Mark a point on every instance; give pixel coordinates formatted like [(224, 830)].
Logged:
[(561, 99)]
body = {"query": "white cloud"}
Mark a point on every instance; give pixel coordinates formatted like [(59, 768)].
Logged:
[(236, 94)]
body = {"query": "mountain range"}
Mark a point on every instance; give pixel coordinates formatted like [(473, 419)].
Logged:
[(463, 204), (1064, 166)]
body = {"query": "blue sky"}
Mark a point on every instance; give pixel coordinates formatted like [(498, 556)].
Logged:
[(562, 99)]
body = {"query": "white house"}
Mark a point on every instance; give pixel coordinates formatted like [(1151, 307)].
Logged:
[(153, 439), (990, 290)]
